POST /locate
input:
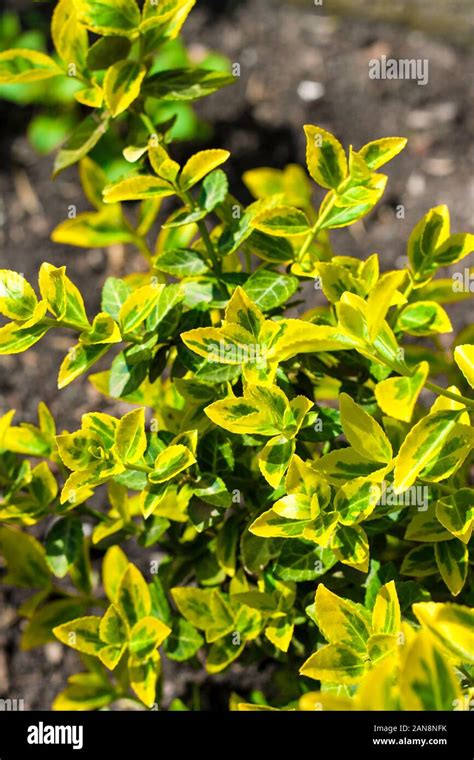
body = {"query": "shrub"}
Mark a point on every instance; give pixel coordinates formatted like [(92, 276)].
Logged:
[(265, 456), (78, 68)]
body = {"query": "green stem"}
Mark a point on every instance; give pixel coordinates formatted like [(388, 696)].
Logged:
[(433, 387), (204, 232), (448, 394), (188, 199), (89, 600), (136, 341), (392, 321), (464, 672), (64, 323), (142, 245), (304, 248), (148, 123), (444, 489), (311, 214), (141, 52), (315, 229), (409, 288), (80, 328), (85, 510), (138, 240), (139, 467)]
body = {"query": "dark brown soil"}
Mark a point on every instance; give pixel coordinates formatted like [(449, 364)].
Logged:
[(286, 54)]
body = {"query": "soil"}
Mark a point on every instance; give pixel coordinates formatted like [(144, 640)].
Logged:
[(298, 66)]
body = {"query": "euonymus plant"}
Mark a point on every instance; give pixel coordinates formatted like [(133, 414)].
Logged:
[(293, 484), (133, 55)]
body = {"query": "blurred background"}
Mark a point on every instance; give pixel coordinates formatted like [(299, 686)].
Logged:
[(301, 61)]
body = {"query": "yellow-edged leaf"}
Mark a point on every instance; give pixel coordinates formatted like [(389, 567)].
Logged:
[(69, 37), (351, 546), (280, 631), (146, 636), (282, 221), (199, 165), (171, 462), (78, 360), (427, 681), (384, 295), (275, 458), (133, 596), (137, 189), (110, 17), (143, 675), (423, 445), (270, 524), (81, 634), (113, 627), (397, 396), (114, 566), (379, 152), (428, 235), (21, 65), (456, 512), (464, 358), (195, 604), (343, 465), (25, 558), (138, 306), (364, 434), (386, 616), (18, 300), (378, 688), (452, 558), (424, 318), (62, 296), (325, 157), (341, 621), (451, 625), (130, 439), (335, 663), (122, 85)]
